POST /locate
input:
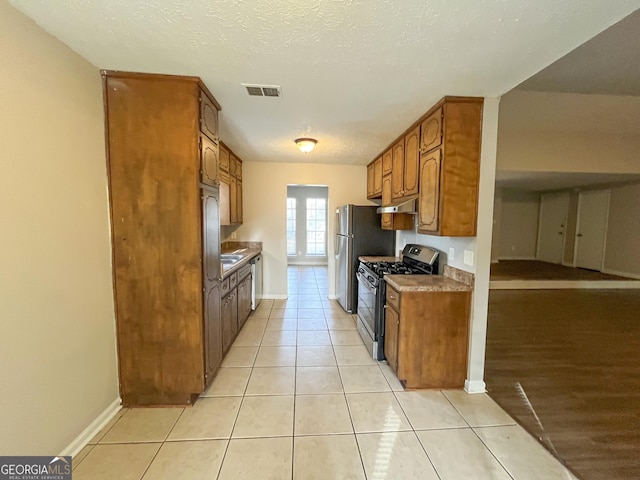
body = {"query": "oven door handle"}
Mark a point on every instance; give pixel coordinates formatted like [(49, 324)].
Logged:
[(365, 282)]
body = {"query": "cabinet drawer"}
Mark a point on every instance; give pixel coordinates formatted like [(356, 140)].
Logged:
[(233, 280), (393, 298), (431, 131), (244, 272), (208, 117)]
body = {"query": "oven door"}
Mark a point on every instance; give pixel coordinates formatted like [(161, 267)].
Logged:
[(366, 312)]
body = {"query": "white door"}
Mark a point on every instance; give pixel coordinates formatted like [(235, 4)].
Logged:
[(554, 210), (593, 210)]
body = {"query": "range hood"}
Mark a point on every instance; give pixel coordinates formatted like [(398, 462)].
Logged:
[(404, 205)]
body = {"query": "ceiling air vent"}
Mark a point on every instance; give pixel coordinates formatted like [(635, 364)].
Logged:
[(263, 90)]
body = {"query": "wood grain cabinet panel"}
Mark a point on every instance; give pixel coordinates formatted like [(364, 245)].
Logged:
[(397, 174), (387, 162), (426, 337), (208, 117), (429, 200), (370, 180), (411, 162), (431, 128), (377, 177), (164, 235), (224, 158)]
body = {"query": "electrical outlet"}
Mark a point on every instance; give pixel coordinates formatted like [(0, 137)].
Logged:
[(452, 254), (468, 257)]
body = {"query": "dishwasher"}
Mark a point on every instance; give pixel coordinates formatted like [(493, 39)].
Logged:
[(256, 281)]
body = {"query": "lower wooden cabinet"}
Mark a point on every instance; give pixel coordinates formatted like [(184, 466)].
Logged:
[(236, 304), (212, 331), (244, 300), (229, 316), (426, 337)]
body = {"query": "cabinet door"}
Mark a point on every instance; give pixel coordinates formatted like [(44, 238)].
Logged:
[(370, 175), (387, 218), (208, 161), (397, 174), (233, 199), (227, 328), (429, 198), (239, 201), (387, 162), (211, 236), (411, 161), (391, 328), (431, 131), (224, 158), (377, 177), (238, 168), (244, 301), (233, 163), (212, 330), (208, 118)]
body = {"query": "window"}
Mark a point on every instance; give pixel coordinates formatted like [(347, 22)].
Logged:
[(291, 226), (316, 226)]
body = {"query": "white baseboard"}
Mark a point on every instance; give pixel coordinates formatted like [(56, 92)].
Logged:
[(516, 258), (562, 284), (275, 297), (621, 274), (91, 431), (332, 297), (474, 386)]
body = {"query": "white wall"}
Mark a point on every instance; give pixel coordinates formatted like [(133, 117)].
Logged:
[(265, 193), (566, 132), (57, 347), (518, 237), (480, 245), (622, 250)]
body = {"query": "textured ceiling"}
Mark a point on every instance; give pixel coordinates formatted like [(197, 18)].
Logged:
[(354, 73), (607, 64)]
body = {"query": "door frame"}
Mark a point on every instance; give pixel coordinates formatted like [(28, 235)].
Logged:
[(606, 223)]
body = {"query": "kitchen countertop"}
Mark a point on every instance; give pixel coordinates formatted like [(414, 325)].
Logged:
[(426, 283), (247, 253), (365, 258)]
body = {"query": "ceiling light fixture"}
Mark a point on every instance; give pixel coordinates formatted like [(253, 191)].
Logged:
[(305, 145)]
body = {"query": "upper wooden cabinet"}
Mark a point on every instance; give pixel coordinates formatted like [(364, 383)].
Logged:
[(387, 162), (165, 235), (209, 117), (449, 172), (431, 128), (209, 161), (230, 187), (397, 173), (436, 160), (374, 178)]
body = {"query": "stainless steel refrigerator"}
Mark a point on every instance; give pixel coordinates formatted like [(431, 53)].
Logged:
[(358, 233)]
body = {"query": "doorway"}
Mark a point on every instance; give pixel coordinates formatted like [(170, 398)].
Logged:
[(554, 212), (307, 207), (593, 212)]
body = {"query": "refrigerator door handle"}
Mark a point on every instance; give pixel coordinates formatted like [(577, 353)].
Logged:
[(336, 243)]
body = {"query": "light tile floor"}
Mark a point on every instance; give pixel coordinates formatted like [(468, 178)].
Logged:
[(298, 396)]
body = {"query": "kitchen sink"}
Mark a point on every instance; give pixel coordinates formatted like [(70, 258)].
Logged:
[(228, 261)]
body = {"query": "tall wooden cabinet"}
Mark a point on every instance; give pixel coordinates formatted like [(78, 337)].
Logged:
[(450, 167), (230, 186), (162, 143)]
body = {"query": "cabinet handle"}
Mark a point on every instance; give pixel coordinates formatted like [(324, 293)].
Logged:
[(392, 297)]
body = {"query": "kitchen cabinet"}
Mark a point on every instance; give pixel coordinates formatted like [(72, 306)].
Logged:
[(387, 162), (244, 295), (229, 319), (426, 337), (374, 178), (230, 187), (236, 304), (405, 165), (450, 169), (393, 221), (164, 210)]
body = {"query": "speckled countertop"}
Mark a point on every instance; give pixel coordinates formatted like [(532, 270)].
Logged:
[(426, 283), (379, 259)]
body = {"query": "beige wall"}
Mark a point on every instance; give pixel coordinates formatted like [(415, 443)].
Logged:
[(622, 250), (566, 132), (264, 187), (518, 225), (57, 348)]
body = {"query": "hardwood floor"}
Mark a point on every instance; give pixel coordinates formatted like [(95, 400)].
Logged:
[(576, 354), (536, 270)]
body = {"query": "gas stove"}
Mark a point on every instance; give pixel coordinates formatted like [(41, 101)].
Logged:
[(416, 260)]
